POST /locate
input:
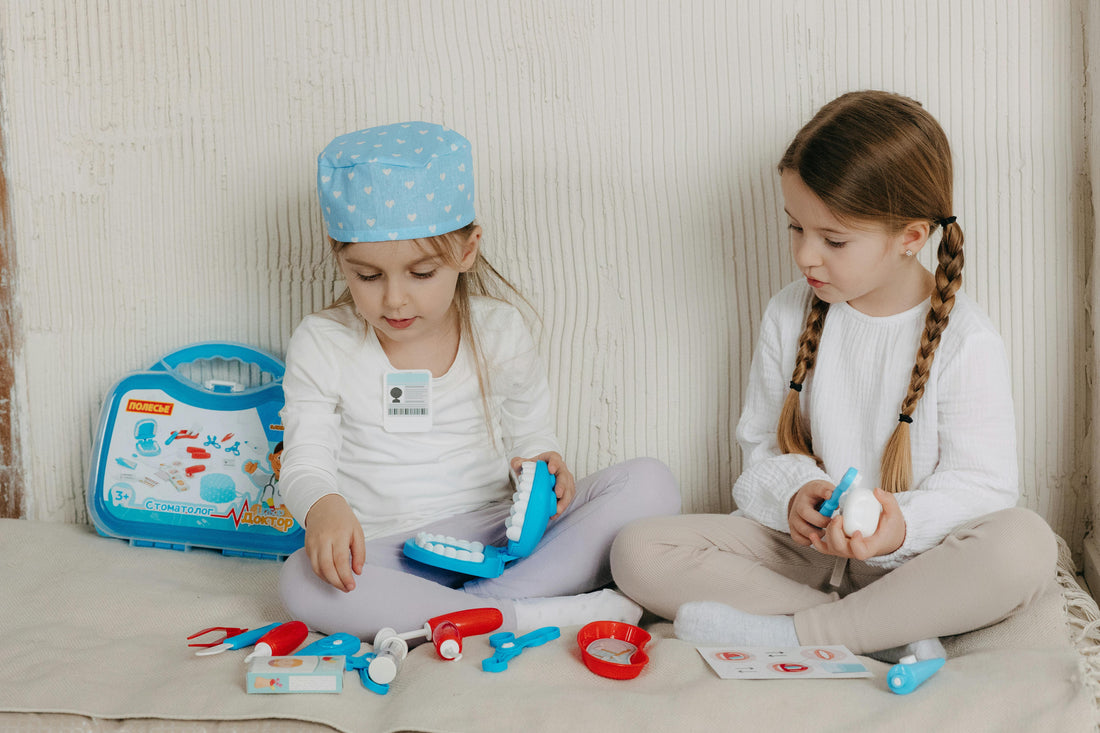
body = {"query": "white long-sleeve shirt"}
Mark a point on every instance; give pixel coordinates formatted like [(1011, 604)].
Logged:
[(333, 420), (963, 435)]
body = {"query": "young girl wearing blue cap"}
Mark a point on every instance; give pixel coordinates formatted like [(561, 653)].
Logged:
[(408, 400), (870, 361)]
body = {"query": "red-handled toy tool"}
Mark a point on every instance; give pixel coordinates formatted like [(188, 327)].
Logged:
[(280, 641), (446, 631)]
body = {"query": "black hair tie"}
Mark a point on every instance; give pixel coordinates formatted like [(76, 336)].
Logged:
[(796, 386), (949, 220), (905, 419)]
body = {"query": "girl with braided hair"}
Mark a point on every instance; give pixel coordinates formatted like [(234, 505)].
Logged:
[(868, 361)]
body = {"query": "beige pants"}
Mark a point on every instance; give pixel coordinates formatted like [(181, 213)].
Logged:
[(981, 573)]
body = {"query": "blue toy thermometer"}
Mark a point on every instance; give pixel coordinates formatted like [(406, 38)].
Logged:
[(188, 453)]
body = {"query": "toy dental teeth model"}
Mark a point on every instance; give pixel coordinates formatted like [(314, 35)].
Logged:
[(858, 505), (534, 502)]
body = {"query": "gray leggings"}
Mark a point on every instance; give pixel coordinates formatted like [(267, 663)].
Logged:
[(571, 558), (982, 572)]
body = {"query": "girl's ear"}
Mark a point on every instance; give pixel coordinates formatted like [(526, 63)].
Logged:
[(913, 237), (469, 250)]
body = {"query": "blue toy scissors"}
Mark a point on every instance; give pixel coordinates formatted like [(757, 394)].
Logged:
[(508, 646), (360, 664)]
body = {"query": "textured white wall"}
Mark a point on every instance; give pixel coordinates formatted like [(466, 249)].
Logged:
[(161, 163)]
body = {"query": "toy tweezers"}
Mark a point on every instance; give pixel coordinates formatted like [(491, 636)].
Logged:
[(508, 646), (225, 631), (248, 638), (534, 502)]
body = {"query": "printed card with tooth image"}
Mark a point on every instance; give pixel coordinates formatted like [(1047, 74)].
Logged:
[(770, 663)]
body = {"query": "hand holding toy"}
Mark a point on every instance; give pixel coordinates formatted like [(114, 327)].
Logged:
[(860, 510), (858, 505)]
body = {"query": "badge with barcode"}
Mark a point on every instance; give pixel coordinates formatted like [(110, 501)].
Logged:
[(407, 401)]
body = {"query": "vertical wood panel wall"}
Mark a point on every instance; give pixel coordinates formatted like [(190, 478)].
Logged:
[(160, 160)]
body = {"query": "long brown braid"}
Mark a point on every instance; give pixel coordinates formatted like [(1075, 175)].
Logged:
[(897, 463), (793, 433), (877, 157)]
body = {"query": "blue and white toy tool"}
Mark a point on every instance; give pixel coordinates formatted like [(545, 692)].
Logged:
[(338, 644), (534, 502), (508, 646), (361, 664), (829, 506), (910, 674)]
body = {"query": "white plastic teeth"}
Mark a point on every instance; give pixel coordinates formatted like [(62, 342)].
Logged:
[(514, 522), (450, 547)]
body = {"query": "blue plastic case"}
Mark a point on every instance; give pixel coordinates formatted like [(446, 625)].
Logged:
[(180, 464)]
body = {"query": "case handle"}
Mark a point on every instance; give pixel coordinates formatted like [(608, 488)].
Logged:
[(226, 350)]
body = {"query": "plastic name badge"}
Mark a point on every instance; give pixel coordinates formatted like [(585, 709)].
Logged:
[(187, 454)]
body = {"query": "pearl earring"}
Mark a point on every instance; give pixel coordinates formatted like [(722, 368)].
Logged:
[(908, 253)]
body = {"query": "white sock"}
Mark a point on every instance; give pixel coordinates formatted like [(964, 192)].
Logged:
[(600, 605), (709, 622), (923, 650)]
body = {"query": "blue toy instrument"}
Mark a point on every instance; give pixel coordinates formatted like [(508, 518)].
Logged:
[(534, 502), (188, 452), (910, 674), (508, 646), (829, 506)]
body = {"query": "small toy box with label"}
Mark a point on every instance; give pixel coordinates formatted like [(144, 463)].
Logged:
[(187, 454)]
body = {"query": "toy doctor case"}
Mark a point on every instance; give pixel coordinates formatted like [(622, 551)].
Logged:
[(188, 454)]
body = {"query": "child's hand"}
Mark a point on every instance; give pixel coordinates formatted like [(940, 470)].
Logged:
[(565, 486), (887, 538), (334, 542), (806, 523)]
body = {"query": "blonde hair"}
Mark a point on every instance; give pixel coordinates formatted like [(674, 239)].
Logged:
[(877, 157), (482, 279)]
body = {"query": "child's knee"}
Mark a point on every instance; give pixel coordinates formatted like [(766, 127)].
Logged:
[(654, 483), (634, 551), (296, 585), (1027, 552)]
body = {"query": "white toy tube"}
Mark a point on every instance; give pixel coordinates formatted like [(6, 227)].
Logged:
[(860, 510)]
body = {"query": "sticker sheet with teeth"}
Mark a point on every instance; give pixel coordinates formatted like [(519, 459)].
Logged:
[(533, 503)]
